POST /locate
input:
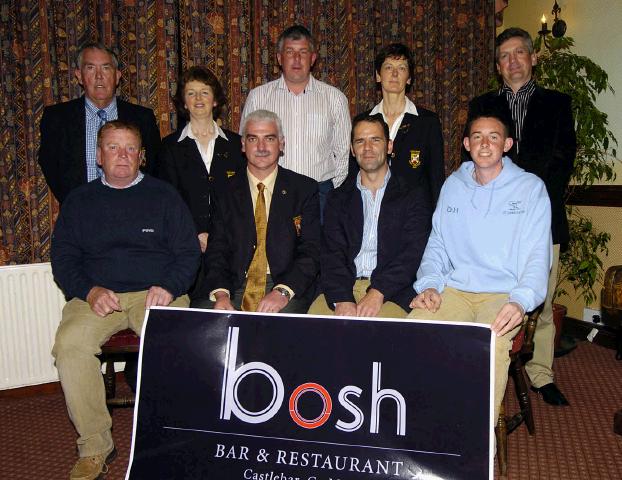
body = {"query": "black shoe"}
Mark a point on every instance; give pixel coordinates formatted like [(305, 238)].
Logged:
[(551, 394)]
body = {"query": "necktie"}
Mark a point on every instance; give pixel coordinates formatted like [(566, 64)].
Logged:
[(103, 117), (256, 280)]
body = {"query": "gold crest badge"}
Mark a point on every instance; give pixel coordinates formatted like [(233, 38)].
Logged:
[(297, 224), (414, 158), (230, 173)]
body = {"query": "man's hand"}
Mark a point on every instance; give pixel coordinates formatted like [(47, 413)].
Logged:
[(223, 301), (370, 304), (510, 316), (103, 301), (203, 241), (345, 309), (429, 300), (158, 297), (273, 302)]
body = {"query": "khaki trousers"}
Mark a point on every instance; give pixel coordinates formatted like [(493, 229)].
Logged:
[(462, 306), (78, 339), (388, 309), (540, 367)]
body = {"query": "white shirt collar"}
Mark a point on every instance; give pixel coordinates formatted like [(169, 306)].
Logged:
[(409, 108), (309, 87), (187, 132)]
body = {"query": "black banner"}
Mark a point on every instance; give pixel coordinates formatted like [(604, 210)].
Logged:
[(226, 395)]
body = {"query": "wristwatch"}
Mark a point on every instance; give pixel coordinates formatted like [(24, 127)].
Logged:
[(284, 292)]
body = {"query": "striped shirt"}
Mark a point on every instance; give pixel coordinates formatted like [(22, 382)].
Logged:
[(93, 124), (366, 259), (316, 125), (518, 103)]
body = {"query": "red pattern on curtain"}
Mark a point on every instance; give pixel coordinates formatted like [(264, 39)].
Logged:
[(452, 42)]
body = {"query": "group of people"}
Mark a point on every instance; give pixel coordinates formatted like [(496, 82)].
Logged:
[(303, 211)]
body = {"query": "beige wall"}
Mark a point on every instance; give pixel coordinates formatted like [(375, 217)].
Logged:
[(595, 27)]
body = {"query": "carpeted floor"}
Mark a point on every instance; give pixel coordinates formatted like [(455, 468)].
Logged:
[(37, 439)]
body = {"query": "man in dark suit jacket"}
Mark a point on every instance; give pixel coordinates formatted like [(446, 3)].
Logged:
[(69, 129), (292, 237), (375, 231), (545, 144)]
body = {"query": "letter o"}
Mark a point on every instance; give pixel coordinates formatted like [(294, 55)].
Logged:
[(326, 400)]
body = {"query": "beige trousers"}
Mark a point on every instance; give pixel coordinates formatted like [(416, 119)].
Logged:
[(388, 309), (462, 306), (78, 339), (540, 367)]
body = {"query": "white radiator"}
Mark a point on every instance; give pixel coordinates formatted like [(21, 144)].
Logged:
[(30, 311)]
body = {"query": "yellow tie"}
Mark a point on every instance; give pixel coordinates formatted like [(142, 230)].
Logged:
[(256, 280)]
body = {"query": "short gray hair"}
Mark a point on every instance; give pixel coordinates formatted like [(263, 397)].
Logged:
[(96, 46), (513, 32), (295, 32), (262, 116)]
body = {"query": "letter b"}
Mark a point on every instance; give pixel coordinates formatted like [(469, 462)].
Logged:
[(229, 402)]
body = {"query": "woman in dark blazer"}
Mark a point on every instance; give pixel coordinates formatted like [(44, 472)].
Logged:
[(416, 132), (200, 156)]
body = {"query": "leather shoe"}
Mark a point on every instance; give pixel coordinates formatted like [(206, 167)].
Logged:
[(551, 394)]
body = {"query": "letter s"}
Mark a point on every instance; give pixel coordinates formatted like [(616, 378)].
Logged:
[(356, 412)]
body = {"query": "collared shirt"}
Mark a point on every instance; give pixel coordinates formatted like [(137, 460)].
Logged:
[(268, 182), (316, 125), (138, 178), (366, 259), (93, 124), (207, 153), (518, 103), (408, 108)]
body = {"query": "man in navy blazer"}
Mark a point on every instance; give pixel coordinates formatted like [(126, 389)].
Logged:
[(69, 129), (376, 227), (545, 145), (293, 228)]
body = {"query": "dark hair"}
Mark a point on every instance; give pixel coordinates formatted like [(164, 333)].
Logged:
[(396, 50), (491, 113), (295, 32), (512, 32), (203, 75), (365, 117), (96, 46), (119, 125)]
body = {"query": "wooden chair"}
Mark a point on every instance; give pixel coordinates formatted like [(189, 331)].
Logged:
[(521, 345), (119, 347)]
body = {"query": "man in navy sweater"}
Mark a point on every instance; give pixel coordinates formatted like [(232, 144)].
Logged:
[(122, 243)]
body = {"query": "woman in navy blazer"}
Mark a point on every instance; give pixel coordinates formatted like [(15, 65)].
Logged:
[(200, 156), (416, 132)]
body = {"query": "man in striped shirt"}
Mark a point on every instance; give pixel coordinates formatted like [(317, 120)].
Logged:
[(544, 144), (315, 115)]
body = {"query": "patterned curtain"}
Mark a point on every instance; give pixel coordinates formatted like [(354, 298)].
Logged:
[(156, 39)]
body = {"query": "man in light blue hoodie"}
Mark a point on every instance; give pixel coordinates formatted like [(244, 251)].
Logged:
[(489, 254)]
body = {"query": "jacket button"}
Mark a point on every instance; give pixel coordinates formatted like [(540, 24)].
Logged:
[(211, 179)]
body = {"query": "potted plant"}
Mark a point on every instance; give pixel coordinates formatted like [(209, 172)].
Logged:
[(561, 69)]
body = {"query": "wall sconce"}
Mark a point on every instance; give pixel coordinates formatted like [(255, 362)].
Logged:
[(559, 26)]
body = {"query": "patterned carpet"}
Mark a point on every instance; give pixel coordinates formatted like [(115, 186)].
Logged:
[(574, 443)]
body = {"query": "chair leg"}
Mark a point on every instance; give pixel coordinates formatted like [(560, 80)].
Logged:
[(501, 435), (110, 382), (522, 393)]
